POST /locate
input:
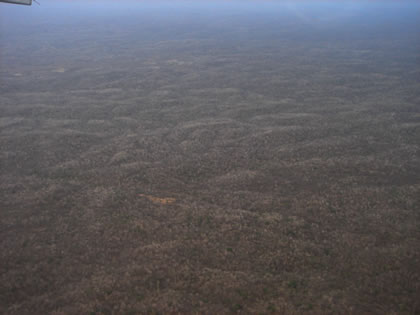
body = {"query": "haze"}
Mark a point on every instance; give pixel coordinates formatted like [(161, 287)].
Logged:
[(210, 157)]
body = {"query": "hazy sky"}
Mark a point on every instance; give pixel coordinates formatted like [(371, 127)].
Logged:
[(307, 11)]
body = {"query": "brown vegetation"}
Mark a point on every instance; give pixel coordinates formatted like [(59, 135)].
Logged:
[(197, 174)]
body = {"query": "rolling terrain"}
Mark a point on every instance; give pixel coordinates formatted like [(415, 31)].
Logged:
[(213, 162)]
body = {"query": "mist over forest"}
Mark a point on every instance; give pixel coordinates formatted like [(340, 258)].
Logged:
[(211, 157)]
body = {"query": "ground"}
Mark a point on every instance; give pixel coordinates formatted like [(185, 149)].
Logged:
[(208, 171)]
